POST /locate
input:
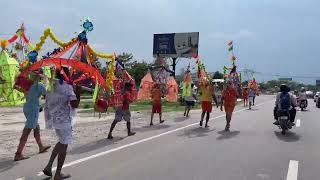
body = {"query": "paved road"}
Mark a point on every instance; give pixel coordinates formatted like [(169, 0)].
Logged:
[(180, 150)]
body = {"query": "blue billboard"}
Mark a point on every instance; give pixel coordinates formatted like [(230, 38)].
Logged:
[(176, 44)]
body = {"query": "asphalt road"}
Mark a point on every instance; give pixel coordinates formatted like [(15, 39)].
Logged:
[(254, 149)]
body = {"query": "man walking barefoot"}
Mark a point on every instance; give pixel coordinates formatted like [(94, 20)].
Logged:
[(123, 113), (59, 106), (31, 111)]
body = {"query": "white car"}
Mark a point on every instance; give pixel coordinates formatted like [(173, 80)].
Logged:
[(316, 97)]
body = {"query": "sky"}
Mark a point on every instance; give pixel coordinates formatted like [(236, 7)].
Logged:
[(273, 37)]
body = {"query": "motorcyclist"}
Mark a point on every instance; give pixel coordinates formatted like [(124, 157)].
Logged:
[(293, 103), (302, 96)]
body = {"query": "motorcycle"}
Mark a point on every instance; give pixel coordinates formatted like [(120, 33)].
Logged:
[(303, 104), (284, 121)]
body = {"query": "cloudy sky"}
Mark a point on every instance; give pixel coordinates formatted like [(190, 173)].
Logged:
[(270, 36)]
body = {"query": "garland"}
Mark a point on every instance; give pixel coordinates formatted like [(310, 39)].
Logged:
[(93, 52), (47, 32)]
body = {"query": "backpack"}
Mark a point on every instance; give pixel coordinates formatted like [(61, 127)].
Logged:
[(285, 100)]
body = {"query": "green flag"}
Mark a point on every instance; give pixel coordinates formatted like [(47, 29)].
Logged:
[(230, 48), (95, 93)]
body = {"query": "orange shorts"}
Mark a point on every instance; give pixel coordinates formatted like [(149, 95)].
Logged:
[(229, 107), (156, 108), (206, 106)]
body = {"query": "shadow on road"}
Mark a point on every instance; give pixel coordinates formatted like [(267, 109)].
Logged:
[(151, 128), (196, 132), (288, 137), (253, 109), (181, 119), (94, 145), (7, 164), (47, 178), (227, 134)]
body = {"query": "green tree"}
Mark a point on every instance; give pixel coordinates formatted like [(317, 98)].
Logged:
[(217, 75), (138, 70), (125, 58)]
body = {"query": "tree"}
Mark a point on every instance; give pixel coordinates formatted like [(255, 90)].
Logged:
[(125, 58), (217, 75), (138, 70)]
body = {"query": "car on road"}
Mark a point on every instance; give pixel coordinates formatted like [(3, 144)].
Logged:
[(316, 97), (310, 94)]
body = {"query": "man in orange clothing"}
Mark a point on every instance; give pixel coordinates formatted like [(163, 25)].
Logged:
[(206, 92), (123, 113), (245, 96), (229, 99), (156, 103)]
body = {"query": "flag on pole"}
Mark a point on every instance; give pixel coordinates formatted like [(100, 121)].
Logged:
[(95, 93), (230, 48), (233, 58), (230, 43)]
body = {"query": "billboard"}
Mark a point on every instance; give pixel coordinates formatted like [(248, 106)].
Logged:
[(285, 79), (176, 44)]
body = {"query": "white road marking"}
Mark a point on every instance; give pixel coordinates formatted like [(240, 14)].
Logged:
[(22, 178), (298, 124), (293, 170), (138, 142)]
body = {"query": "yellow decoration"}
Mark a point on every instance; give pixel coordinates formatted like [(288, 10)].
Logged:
[(20, 32), (108, 56), (4, 43), (110, 74), (47, 32)]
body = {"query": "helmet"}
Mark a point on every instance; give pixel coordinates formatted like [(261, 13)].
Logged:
[(284, 88)]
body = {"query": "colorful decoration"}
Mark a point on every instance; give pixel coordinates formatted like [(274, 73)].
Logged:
[(33, 56), (22, 36), (87, 25), (172, 90), (48, 33), (9, 68), (4, 43), (230, 73), (79, 59), (186, 85), (145, 87)]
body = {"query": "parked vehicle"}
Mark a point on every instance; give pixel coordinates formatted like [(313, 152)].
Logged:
[(318, 103), (316, 97)]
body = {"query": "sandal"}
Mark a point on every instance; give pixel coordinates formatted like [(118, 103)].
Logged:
[(62, 176), (44, 149)]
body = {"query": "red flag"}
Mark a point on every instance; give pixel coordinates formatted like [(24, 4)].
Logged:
[(230, 43), (233, 58), (195, 56)]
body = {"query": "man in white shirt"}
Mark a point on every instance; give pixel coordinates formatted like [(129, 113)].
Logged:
[(60, 104)]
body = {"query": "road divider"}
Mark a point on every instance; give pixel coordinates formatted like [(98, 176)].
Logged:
[(298, 123)]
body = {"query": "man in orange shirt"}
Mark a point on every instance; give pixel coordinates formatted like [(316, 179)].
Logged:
[(156, 103), (245, 96), (207, 92), (229, 99)]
